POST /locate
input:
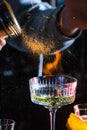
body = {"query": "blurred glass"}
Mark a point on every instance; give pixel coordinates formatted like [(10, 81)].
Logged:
[(81, 110), (7, 124)]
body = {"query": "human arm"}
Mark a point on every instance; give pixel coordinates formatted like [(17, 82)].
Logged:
[(40, 25), (74, 16)]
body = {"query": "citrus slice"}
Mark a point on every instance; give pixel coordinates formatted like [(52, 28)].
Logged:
[(75, 123)]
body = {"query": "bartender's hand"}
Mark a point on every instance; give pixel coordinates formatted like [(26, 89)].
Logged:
[(2, 43), (74, 16)]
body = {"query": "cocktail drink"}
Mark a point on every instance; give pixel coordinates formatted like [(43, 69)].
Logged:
[(53, 92)]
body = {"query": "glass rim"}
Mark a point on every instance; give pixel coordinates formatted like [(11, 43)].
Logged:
[(59, 75), (80, 106), (7, 122)]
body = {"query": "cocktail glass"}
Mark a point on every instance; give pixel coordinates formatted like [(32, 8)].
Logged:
[(53, 92), (7, 124), (81, 111)]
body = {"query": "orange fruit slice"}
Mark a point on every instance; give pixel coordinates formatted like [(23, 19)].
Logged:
[(75, 123)]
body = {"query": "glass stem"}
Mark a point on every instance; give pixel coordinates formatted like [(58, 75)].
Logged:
[(52, 118)]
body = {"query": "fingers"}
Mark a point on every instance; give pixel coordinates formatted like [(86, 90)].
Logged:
[(2, 43)]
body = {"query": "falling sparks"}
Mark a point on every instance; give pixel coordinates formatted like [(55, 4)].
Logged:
[(35, 45), (45, 16), (51, 62)]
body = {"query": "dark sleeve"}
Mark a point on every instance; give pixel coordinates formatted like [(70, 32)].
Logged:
[(40, 33)]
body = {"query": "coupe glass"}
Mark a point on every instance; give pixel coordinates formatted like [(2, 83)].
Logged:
[(53, 92), (81, 111)]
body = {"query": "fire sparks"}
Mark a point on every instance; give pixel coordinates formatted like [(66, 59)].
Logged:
[(35, 45), (51, 63)]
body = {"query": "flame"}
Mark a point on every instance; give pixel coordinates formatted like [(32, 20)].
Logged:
[(54, 66)]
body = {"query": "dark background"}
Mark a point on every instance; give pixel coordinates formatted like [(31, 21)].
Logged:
[(15, 70)]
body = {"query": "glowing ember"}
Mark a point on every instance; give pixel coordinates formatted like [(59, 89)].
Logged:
[(49, 63), (35, 45)]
